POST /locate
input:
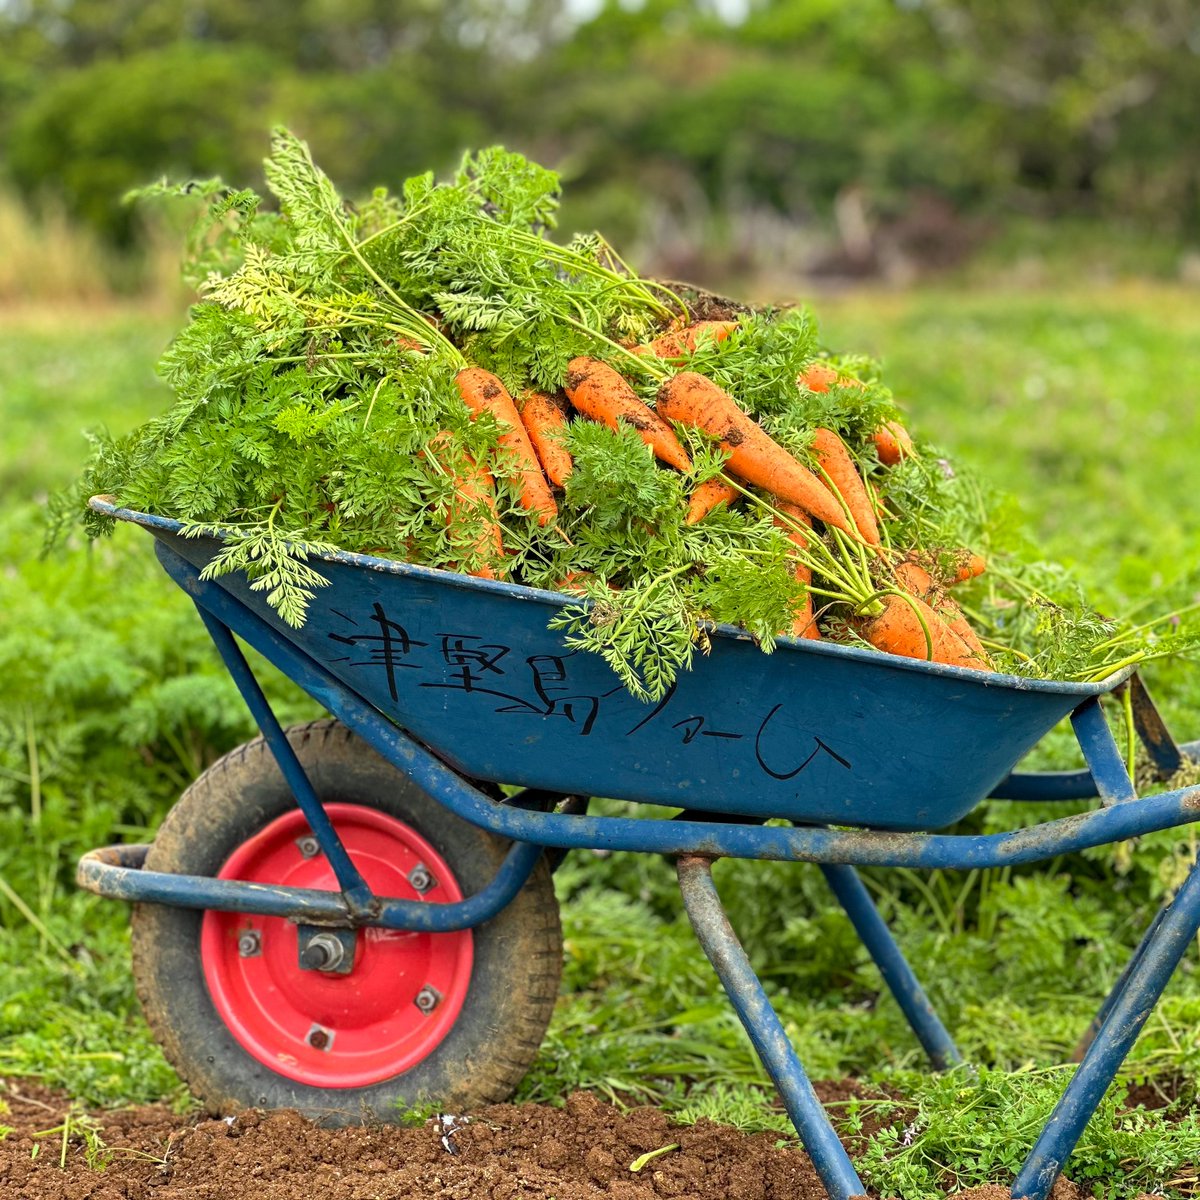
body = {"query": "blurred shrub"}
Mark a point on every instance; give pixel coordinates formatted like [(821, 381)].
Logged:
[(197, 110), (377, 127), (189, 109)]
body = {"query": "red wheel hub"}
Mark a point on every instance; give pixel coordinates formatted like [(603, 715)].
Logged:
[(404, 992)]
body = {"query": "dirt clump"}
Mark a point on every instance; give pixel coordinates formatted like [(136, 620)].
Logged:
[(1063, 1189)]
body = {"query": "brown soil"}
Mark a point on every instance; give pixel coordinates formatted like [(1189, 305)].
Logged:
[(1160, 1092), (707, 306), (528, 1151), (582, 1152)]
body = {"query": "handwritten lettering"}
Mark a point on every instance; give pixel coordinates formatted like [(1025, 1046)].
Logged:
[(821, 747), (542, 687), (389, 648)]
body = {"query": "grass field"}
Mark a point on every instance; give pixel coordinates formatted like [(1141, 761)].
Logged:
[(1084, 405)]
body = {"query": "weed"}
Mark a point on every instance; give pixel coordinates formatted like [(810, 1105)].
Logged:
[(77, 1125)]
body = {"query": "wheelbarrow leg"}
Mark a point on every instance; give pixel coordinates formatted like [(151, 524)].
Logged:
[(1132, 1002), (766, 1031), (358, 894), (853, 896)]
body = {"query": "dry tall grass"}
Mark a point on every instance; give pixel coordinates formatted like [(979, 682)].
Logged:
[(48, 260)]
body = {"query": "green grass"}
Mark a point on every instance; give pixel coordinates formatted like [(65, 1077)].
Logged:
[(64, 373), (1085, 405)]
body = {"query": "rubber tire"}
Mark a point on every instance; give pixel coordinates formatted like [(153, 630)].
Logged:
[(517, 955)]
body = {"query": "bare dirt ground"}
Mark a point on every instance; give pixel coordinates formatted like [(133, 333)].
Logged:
[(584, 1151)]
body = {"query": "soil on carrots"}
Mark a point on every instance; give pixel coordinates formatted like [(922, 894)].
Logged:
[(584, 1151)]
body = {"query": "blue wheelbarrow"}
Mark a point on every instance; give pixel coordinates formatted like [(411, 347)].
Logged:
[(354, 915)]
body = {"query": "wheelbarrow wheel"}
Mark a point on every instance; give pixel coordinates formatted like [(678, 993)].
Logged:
[(452, 1019)]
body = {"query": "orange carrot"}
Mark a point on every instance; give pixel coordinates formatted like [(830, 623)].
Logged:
[(804, 625), (573, 581), (914, 579), (604, 395), (707, 496), (545, 420), (917, 581), (844, 480), (483, 392), (471, 487), (966, 566), (753, 456), (944, 568), (820, 377), (909, 627), (956, 619), (892, 443), (677, 343)]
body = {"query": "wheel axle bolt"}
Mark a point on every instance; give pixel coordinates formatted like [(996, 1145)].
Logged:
[(427, 999), (421, 879), (250, 944), (308, 846), (319, 1039), (324, 952)]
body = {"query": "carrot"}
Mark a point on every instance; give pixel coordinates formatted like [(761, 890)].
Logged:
[(545, 420), (909, 627), (804, 625), (820, 377), (679, 342), (956, 619), (603, 394), (753, 455), (917, 581), (966, 566), (483, 392), (844, 480), (914, 579), (942, 568), (471, 487), (892, 443), (707, 496), (573, 581)]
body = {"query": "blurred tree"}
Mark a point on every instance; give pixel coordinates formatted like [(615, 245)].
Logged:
[(104, 94), (347, 35), (1046, 105), (1077, 94)]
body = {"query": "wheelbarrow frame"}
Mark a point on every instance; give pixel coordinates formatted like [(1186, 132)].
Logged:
[(696, 839)]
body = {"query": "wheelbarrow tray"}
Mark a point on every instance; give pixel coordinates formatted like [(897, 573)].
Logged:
[(814, 732)]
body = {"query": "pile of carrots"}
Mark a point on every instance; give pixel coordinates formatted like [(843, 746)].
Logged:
[(430, 376), (851, 577)]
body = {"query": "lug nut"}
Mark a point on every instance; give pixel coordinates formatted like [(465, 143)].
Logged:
[(421, 879), (319, 1039), (308, 846), (250, 944), (427, 999)]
